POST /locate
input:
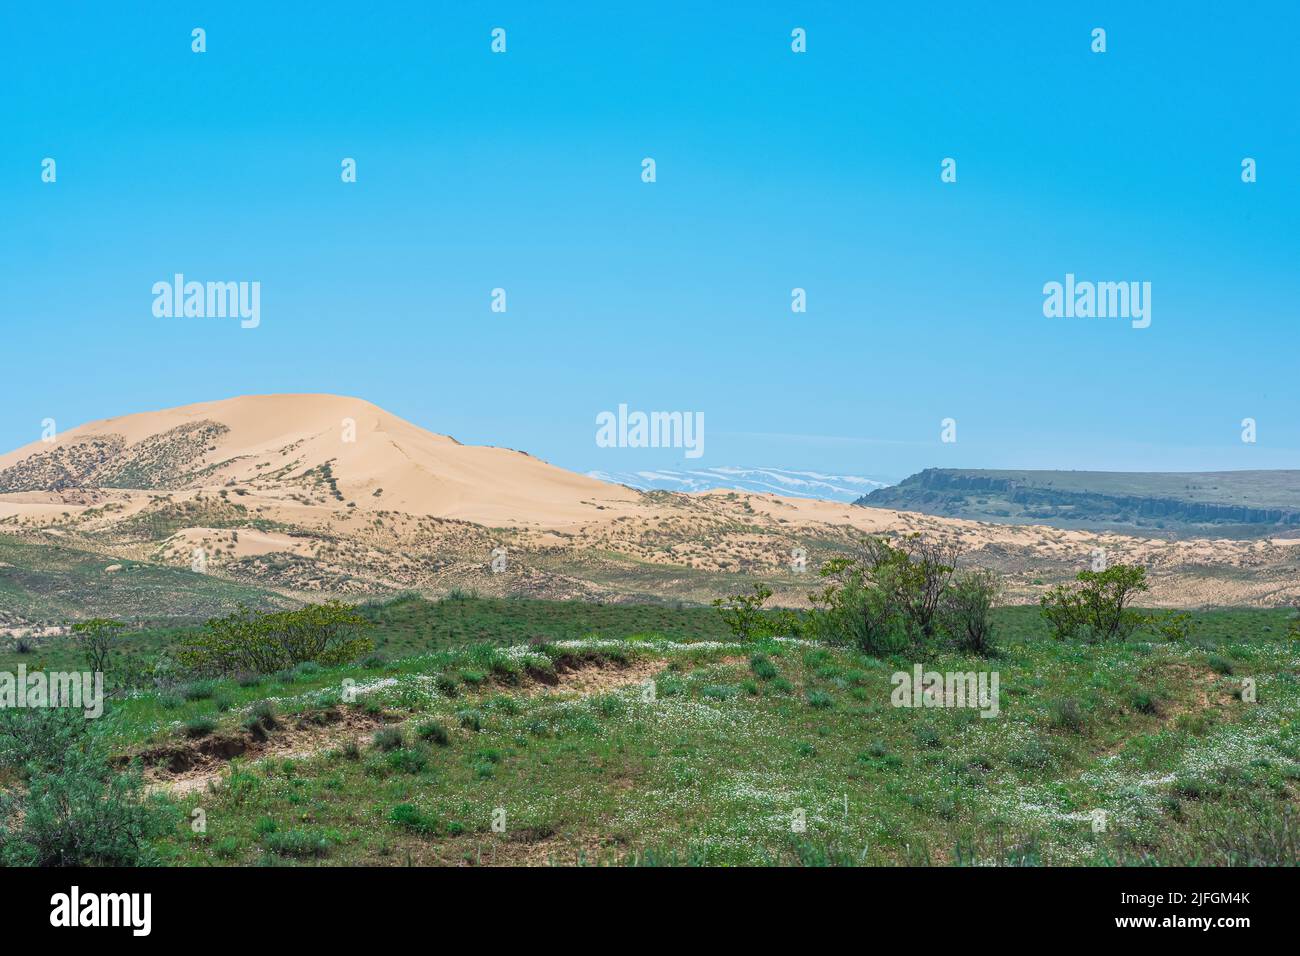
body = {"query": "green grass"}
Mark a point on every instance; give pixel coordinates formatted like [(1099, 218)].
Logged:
[(53, 582), (739, 742)]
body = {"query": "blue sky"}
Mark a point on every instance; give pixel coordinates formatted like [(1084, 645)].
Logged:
[(775, 170)]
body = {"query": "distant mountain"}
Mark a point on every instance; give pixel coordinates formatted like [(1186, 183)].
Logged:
[(1245, 503), (778, 481)]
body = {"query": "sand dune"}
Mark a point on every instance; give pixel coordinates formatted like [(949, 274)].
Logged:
[(347, 448)]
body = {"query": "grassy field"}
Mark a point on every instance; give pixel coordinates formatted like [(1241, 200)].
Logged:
[(538, 717), (54, 582)]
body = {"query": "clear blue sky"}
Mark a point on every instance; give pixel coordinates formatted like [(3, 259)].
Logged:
[(775, 170)]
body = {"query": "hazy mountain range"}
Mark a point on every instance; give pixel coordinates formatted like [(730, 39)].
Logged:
[(776, 481)]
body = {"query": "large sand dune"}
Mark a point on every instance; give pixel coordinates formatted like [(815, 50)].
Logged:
[(357, 451)]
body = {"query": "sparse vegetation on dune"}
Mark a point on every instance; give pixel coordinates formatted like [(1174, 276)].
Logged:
[(108, 522)]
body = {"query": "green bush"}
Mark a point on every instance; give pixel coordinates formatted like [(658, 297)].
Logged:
[(409, 759), (1173, 626), (198, 690), (269, 642), (1096, 608), (433, 732), (743, 613), (1219, 664), (96, 638), (470, 719), (1067, 714), (298, 843), (763, 667), (389, 738), (199, 726), (967, 610), (1143, 702), (859, 606), (35, 740), (75, 810), (407, 816)]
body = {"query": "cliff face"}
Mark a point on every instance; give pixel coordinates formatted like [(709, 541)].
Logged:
[(994, 496)]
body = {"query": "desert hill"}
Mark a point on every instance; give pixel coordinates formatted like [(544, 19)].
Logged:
[(298, 497), (321, 448)]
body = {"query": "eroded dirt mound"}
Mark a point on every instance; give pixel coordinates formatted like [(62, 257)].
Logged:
[(186, 766)]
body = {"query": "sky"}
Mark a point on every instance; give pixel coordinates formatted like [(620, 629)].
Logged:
[(775, 170)]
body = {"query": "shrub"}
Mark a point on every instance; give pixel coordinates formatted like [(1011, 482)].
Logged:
[(413, 819), (470, 719), (95, 638), (264, 710), (743, 613), (1030, 756), (920, 566), (505, 704), (1219, 663), (265, 642), (388, 738), (75, 811), (820, 700), (297, 843), (927, 736), (260, 719), (409, 759), (447, 685), (199, 690), (966, 610), (1175, 626), (1096, 607), (199, 726), (762, 667), (433, 732), (1067, 714), (858, 606), (35, 740), (1143, 702)]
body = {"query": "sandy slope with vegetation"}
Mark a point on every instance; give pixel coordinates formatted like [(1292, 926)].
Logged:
[(311, 495)]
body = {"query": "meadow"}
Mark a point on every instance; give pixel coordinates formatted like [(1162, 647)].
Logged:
[(509, 731)]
